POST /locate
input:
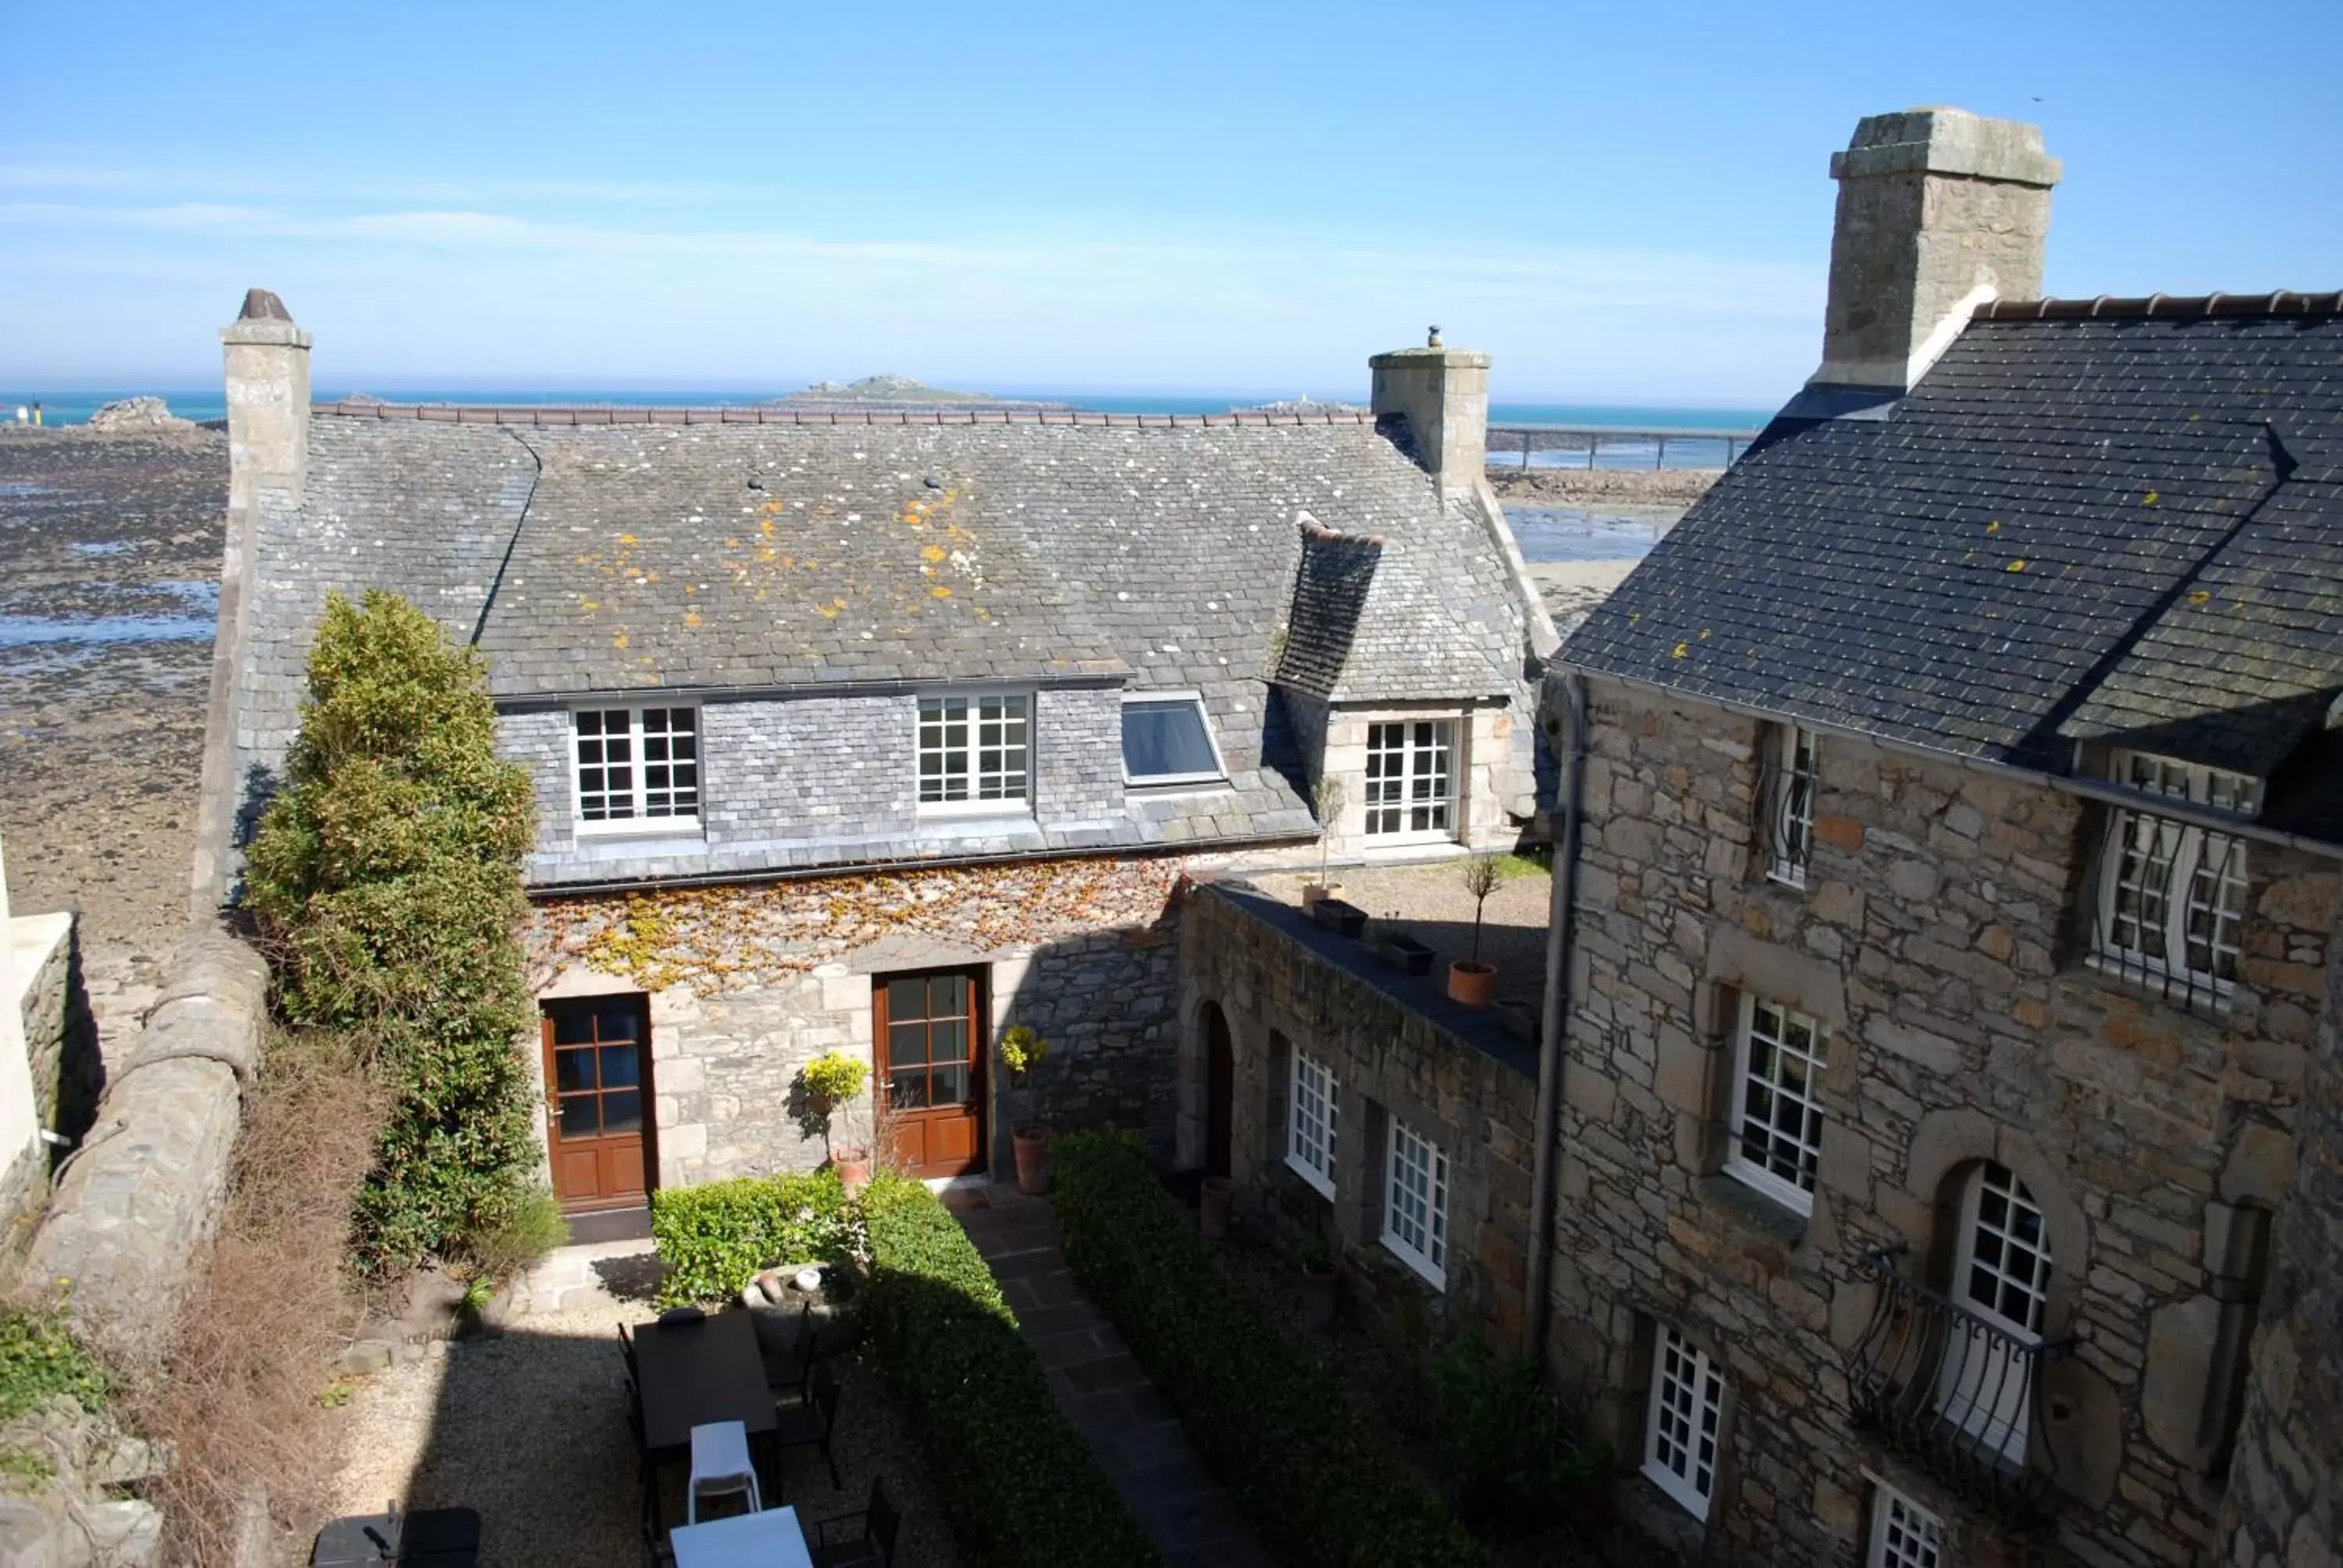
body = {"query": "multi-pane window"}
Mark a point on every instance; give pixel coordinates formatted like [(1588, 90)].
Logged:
[(1415, 1202), (638, 764), (1309, 1127), (2001, 1279), (1903, 1534), (975, 751), (1680, 1440), (1777, 1114), (1166, 741), (1790, 806), (2171, 894), (1412, 776)]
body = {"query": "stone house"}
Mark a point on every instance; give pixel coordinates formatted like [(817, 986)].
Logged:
[(1959, 801), (884, 730)]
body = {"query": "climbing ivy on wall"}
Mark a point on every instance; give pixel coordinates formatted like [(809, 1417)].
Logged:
[(386, 879)]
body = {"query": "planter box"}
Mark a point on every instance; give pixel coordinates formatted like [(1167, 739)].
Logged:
[(1403, 953), (1348, 920)]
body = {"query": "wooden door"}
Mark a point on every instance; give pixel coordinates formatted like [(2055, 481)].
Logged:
[(1220, 1091), (598, 1079), (932, 1069)]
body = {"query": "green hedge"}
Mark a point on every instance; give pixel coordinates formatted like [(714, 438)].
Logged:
[(1303, 1465), (717, 1236), (1019, 1483)]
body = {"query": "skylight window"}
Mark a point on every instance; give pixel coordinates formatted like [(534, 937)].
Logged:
[(1165, 740)]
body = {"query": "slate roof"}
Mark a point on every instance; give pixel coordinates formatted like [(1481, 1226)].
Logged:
[(654, 550), (2086, 523)]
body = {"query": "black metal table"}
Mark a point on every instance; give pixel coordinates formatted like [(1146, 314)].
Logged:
[(691, 1374), (430, 1538)]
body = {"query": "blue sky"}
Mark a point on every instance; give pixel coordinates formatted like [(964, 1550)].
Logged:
[(1620, 204)]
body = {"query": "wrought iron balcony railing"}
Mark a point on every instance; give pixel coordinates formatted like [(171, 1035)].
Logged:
[(1954, 1392)]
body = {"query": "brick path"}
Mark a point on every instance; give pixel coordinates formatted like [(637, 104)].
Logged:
[(1102, 1389)]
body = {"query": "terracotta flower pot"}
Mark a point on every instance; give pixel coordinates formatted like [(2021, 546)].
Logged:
[(1472, 981), (853, 1166), (1219, 1192), (1032, 1160)]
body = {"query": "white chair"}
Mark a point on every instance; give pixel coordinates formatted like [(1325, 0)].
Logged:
[(721, 1464)]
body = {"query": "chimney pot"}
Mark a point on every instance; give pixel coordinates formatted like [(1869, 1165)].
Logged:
[(1939, 211)]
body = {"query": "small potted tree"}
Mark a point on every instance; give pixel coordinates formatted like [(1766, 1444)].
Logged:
[(832, 1082), (1023, 1050), (1471, 980), (1327, 798)]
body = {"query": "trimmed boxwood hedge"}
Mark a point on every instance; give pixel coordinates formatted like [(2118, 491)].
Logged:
[(1276, 1432), (716, 1236), (1019, 1483)]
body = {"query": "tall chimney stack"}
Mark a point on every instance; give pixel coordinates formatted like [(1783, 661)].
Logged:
[(1939, 210), (1445, 393), (267, 402)]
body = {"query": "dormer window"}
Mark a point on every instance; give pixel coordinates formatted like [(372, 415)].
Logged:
[(2171, 893), (1166, 739), (637, 768), (976, 753)]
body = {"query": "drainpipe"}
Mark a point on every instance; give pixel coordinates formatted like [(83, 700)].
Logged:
[(1550, 1023)]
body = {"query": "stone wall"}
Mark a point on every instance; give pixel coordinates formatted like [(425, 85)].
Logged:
[(2285, 1502), (60, 1032), (1396, 1046), (1937, 941), (748, 984), (817, 780)]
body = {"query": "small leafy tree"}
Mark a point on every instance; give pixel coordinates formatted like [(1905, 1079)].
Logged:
[(1328, 798), (1022, 1050), (387, 878), (833, 1080), (1481, 874)]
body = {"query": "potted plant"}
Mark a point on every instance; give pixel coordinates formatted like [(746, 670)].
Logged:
[(1218, 1193), (1023, 1050), (1322, 1283), (1471, 980), (1327, 798), (833, 1080)]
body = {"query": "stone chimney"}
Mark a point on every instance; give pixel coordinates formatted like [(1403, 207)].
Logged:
[(267, 401), (1939, 210), (1445, 393)]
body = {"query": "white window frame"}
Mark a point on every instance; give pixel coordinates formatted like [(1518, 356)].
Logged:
[(1790, 814), (969, 723), (1407, 1152), (2168, 860), (641, 818), (1687, 1393), (1415, 755), (1903, 1534), (1311, 1113), (1219, 772), (1772, 1025)]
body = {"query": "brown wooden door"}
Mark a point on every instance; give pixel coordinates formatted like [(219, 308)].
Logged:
[(598, 1079), (932, 1069)]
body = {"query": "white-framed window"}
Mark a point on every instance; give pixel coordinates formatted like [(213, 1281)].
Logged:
[(1412, 776), (1790, 812), (1903, 1534), (2001, 1275), (1415, 1202), (1778, 1113), (636, 767), (976, 752), (1310, 1123), (1680, 1440), (2171, 894), (1167, 739)]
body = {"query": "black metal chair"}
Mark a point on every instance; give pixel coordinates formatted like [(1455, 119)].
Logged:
[(809, 1424), (682, 1315), (873, 1547), (785, 1344), (626, 1349)]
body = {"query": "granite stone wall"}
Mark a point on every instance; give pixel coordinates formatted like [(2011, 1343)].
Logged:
[(1937, 940), (60, 1033), (1279, 994), (2285, 1502)]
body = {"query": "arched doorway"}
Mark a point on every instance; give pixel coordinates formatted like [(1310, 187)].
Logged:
[(1219, 1090)]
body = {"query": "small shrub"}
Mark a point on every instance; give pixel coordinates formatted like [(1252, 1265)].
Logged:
[(1021, 1486), (40, 1359), (834, 1078), (534, 1226), (1505, 1453), (1303, 1465), (716, 1237)]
